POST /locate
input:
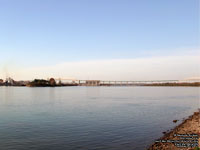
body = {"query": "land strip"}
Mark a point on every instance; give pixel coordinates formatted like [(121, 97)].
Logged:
[(185, 136)]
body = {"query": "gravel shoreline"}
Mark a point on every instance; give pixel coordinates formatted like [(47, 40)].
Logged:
[(185, 136)]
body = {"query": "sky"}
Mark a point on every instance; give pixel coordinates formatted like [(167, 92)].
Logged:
[(99, 39)]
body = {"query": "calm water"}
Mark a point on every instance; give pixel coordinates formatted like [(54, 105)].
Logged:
[(90, 118)]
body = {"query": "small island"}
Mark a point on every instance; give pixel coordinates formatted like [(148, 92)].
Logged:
[(36, 83), (42, 83), (48, 83)]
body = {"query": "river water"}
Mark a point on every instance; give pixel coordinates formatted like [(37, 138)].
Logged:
[(90, 118)]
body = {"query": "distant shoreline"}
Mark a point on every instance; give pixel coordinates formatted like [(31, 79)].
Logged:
[(174, 84), (58, 83), (194, 84)]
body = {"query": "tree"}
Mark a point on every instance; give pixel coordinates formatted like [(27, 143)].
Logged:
[(52, 82)]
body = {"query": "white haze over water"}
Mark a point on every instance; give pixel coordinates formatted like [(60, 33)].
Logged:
[(154, 68)]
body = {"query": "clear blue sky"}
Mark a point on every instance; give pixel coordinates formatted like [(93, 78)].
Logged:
[(45, 32)]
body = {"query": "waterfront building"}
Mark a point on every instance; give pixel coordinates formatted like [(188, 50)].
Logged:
[(92, 82)]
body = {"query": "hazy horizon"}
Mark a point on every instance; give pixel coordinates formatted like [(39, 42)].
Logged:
[(106, 40)]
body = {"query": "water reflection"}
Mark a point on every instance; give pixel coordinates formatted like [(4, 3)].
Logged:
[(90, 117)]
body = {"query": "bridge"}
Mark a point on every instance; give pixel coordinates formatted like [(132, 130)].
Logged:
[(74, 81), (121, 83)]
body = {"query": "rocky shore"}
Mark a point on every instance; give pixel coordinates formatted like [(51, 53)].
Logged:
[(185, 136)]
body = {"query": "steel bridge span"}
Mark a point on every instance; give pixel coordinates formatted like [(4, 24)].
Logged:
[(115, 83), (124, 83)]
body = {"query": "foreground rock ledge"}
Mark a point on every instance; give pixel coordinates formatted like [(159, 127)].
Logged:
[(181, 137)]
